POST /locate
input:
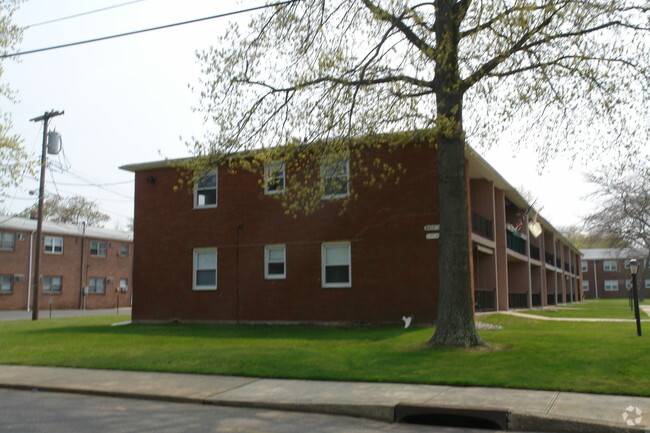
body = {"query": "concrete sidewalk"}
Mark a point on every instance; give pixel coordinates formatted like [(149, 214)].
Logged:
[(519, 410)]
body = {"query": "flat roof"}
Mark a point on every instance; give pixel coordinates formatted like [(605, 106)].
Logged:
[(49, 227)]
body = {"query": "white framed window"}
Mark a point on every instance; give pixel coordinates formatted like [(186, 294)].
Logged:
[(275, 262), (647, 284), (52, 284), (335, 178), (205, 269), (336, 264), (6, 283), (274, 178), (97, 285), (611, 285), (98, 248), (628, 284), (205, 191), (610, 265), (584, 266), (124, 250), (7, 241), (124, 285), (585, 286), (53, 245)]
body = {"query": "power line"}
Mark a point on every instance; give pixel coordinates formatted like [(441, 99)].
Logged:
[(135, 32), (82, 14)]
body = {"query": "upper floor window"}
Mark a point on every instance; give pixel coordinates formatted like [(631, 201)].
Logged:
[(205, 269), (6, 283), (335, 178), (97, 285), (52, 284), (124, 250), (205, 191), (274, 262), (98, 248), (7, 241), (585, 286), (336, 264), (53, 245), (274, 178), (609, 265)]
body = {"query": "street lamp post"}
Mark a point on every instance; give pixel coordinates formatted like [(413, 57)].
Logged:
[(634, 268)]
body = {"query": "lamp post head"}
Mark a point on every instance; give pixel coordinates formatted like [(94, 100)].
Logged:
[(634, 266)]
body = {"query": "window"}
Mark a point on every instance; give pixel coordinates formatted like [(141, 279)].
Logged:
[(124, 285), (274, 262), (53, 245), (7, 241), (335, 178), (628, 284), (274, 178), (124, 250), (584, 266), (6, 283), (609, 265), (205, 191), (585, 286), (336, 270), (97, 285), (98, 248), (205, 269), (52, 284), (647, 284), (611, 285)]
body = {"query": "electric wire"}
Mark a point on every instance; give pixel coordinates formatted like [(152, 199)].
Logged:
[(55, 20), (151, 29)]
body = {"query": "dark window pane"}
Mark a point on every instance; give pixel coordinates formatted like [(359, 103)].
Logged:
[(276, 268), (206, 278), (337, 274)]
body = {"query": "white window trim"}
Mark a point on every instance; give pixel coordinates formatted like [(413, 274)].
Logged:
[(325, 196), (52, 240), (269, 169), (98, 242), (216, 193), (95, 292), (607, 268), (195, 254), (647, 284), (324, 246), (611, 290), (584, 266), (50, 291), (267, 249), (10, 279), (585, 285)]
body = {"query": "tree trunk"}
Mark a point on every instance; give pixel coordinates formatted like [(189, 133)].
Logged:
[(455, 321)]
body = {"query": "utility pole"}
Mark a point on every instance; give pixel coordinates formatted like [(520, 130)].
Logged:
[(41, 195)]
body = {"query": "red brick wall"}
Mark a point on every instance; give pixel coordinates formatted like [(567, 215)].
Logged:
[(394, 267), (621, 274)]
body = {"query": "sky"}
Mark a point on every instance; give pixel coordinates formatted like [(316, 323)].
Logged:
[(128, 100)]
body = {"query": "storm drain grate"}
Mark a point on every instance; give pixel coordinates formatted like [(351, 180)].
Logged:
[(491, 419)]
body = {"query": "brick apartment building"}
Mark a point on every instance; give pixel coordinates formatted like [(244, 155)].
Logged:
[(228, 252), (72, 258), (606, 273)]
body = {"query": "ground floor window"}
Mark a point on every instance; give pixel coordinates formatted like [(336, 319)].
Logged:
[(205, 269), (97, 285), (124, 285), (6, 283), (275, 262), (611, 285), (647, 284), (336, 264), (52, 284), (585, 286)]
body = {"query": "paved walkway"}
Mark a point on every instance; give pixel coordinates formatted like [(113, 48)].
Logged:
[(520, 410), (644, 308), (45, 314)]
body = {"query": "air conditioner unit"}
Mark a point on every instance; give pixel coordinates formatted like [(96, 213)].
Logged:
[(19, 277), (21, 236), (109, 280), (124, 289), (110, 245)]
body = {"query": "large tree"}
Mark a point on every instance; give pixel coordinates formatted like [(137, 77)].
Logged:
[(563, 74), (70, 210), (13, 158)]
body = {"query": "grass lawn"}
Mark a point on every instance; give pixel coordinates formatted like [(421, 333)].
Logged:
[(587, 357), (601, 308)]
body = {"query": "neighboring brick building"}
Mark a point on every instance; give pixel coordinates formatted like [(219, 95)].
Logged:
[(606, 274), (230, 253), (72, 257)]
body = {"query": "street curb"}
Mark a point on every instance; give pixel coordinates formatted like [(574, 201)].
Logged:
[(523, 422)]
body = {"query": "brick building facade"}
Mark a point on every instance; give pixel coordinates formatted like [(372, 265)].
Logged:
[(228, 252), (72, 258), (606, 274)]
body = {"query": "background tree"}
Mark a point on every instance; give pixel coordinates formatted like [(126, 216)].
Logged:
[(70, 210), (588, 237), (13, 158), (329, 71)]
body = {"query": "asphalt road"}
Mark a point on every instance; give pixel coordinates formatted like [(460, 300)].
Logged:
[(125, 313), (36, 412)]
